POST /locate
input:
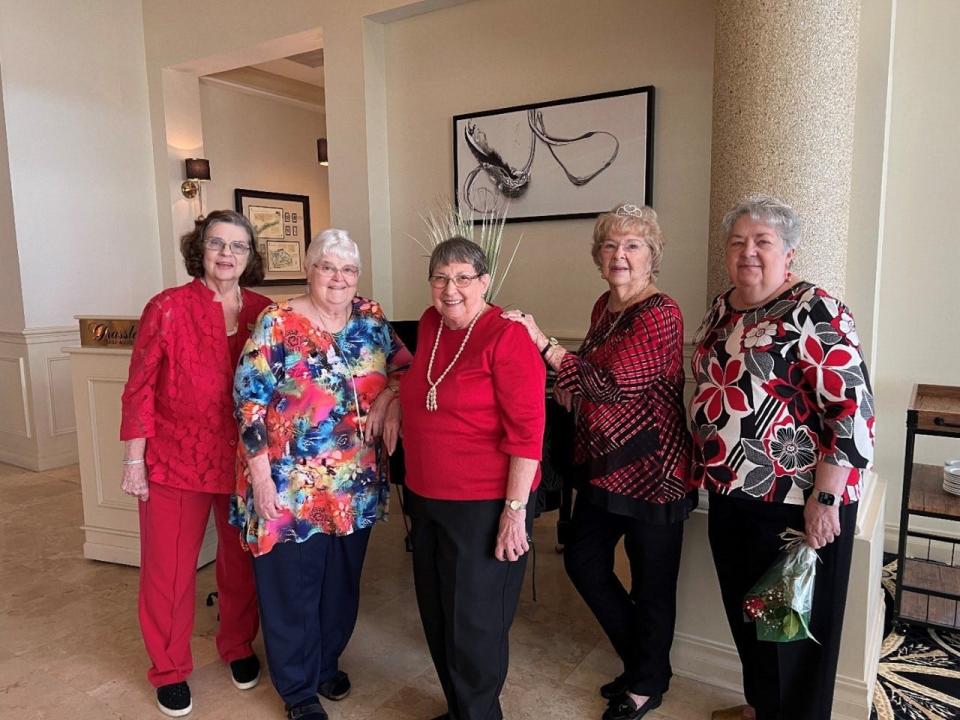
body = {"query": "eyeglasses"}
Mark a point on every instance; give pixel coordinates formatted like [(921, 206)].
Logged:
[(630, 246), (350, 272), (236, 247), (461, 281)]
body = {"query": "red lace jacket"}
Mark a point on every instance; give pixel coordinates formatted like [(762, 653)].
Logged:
[(179, 390)]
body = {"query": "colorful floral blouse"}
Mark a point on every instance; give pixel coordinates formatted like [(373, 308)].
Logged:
[(303, 396), (780, 388)]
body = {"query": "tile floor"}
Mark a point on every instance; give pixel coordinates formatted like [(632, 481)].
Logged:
[(70, 646)]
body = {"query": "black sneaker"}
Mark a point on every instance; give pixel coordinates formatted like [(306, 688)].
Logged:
[(614, 689), (626, 709), (336, 688), (174, 699), (309, 710), (245, 672)]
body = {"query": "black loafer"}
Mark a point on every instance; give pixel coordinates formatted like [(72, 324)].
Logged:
[(614, 689), (307, 711), (336, 688), (626, 709)]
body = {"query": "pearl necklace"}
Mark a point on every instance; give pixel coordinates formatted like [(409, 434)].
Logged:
[(432, 392), (353, 380)]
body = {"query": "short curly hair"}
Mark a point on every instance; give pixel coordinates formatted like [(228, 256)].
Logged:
[(630, 218), (191, 246)]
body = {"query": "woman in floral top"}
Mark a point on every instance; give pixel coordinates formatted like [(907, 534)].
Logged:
[(783, 429), (314, 384)]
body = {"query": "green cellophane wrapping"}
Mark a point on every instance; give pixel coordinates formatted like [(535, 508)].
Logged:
[(780, 601)]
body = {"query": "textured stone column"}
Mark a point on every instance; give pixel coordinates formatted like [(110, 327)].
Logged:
[(784, 86)]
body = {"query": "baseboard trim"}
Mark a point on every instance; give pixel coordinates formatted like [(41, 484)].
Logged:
[(39, 463), (718, 664), (706, 661)]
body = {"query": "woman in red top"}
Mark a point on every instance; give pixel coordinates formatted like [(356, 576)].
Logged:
[(473, 418), (181, 450), (633, 449)]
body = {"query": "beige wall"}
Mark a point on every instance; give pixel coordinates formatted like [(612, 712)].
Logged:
[(265, 143), (81, 172), (498, 53), (867, 188), (11, 298), (919, 309), (250, 32)]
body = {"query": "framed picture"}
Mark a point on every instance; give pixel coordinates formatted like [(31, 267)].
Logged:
[(572, 158), (282, 245)]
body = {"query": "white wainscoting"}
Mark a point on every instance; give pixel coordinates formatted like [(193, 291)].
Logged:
[(37, 427), (14, 396)]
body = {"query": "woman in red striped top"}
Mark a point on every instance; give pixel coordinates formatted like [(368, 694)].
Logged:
[(625, 385)]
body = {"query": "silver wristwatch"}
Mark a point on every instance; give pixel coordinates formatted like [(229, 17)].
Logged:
[(515, 504)]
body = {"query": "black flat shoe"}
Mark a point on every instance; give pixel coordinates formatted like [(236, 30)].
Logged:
[(626, 709), (614, 689), (307, 711), (336, 688)]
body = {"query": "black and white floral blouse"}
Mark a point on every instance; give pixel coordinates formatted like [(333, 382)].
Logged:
[(780, 388)]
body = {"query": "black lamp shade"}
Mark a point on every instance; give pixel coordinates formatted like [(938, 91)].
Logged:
[(198, 169), (322, 151)]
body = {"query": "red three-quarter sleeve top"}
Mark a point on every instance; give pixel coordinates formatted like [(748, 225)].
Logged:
[(179, 390)]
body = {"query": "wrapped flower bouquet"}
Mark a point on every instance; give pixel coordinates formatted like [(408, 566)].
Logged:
[(781, 600)]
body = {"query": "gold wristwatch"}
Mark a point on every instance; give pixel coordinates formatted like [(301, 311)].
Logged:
[(515, 504)]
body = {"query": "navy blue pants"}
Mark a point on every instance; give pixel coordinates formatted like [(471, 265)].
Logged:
[(309, 595)]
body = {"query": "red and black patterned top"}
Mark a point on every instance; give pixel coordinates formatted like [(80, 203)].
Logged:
[(631, 434), (179, 393), (779, 389)]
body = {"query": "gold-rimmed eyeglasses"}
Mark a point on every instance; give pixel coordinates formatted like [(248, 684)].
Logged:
[(236, 247), (351, 272), (461, 281)]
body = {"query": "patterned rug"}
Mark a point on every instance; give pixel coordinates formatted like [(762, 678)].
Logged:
[(919, 673)]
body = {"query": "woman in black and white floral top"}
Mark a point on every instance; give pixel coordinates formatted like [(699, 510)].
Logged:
[(782, 421)]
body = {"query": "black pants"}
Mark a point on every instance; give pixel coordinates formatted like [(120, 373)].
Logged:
[(792, 680), (640, 623), (309, 595), (467, 598)]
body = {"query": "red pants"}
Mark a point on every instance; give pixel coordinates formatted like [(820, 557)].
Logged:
[(172, 525)]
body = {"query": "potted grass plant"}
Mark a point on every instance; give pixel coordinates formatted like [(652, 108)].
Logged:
[(445, 220)]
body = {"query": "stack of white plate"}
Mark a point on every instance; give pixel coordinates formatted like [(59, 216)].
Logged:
[(951, 476)]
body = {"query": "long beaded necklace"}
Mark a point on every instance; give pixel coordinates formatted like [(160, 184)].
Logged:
[(636, 297), (432, 392), (353, 380)]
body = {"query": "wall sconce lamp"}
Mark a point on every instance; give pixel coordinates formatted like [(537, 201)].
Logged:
[(197, 171), (322, 152)]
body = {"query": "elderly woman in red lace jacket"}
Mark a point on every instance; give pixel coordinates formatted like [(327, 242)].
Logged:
[(633, 451), (181, 450)]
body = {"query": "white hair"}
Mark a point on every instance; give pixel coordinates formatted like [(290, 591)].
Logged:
[(770, 211), (333, 242)]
